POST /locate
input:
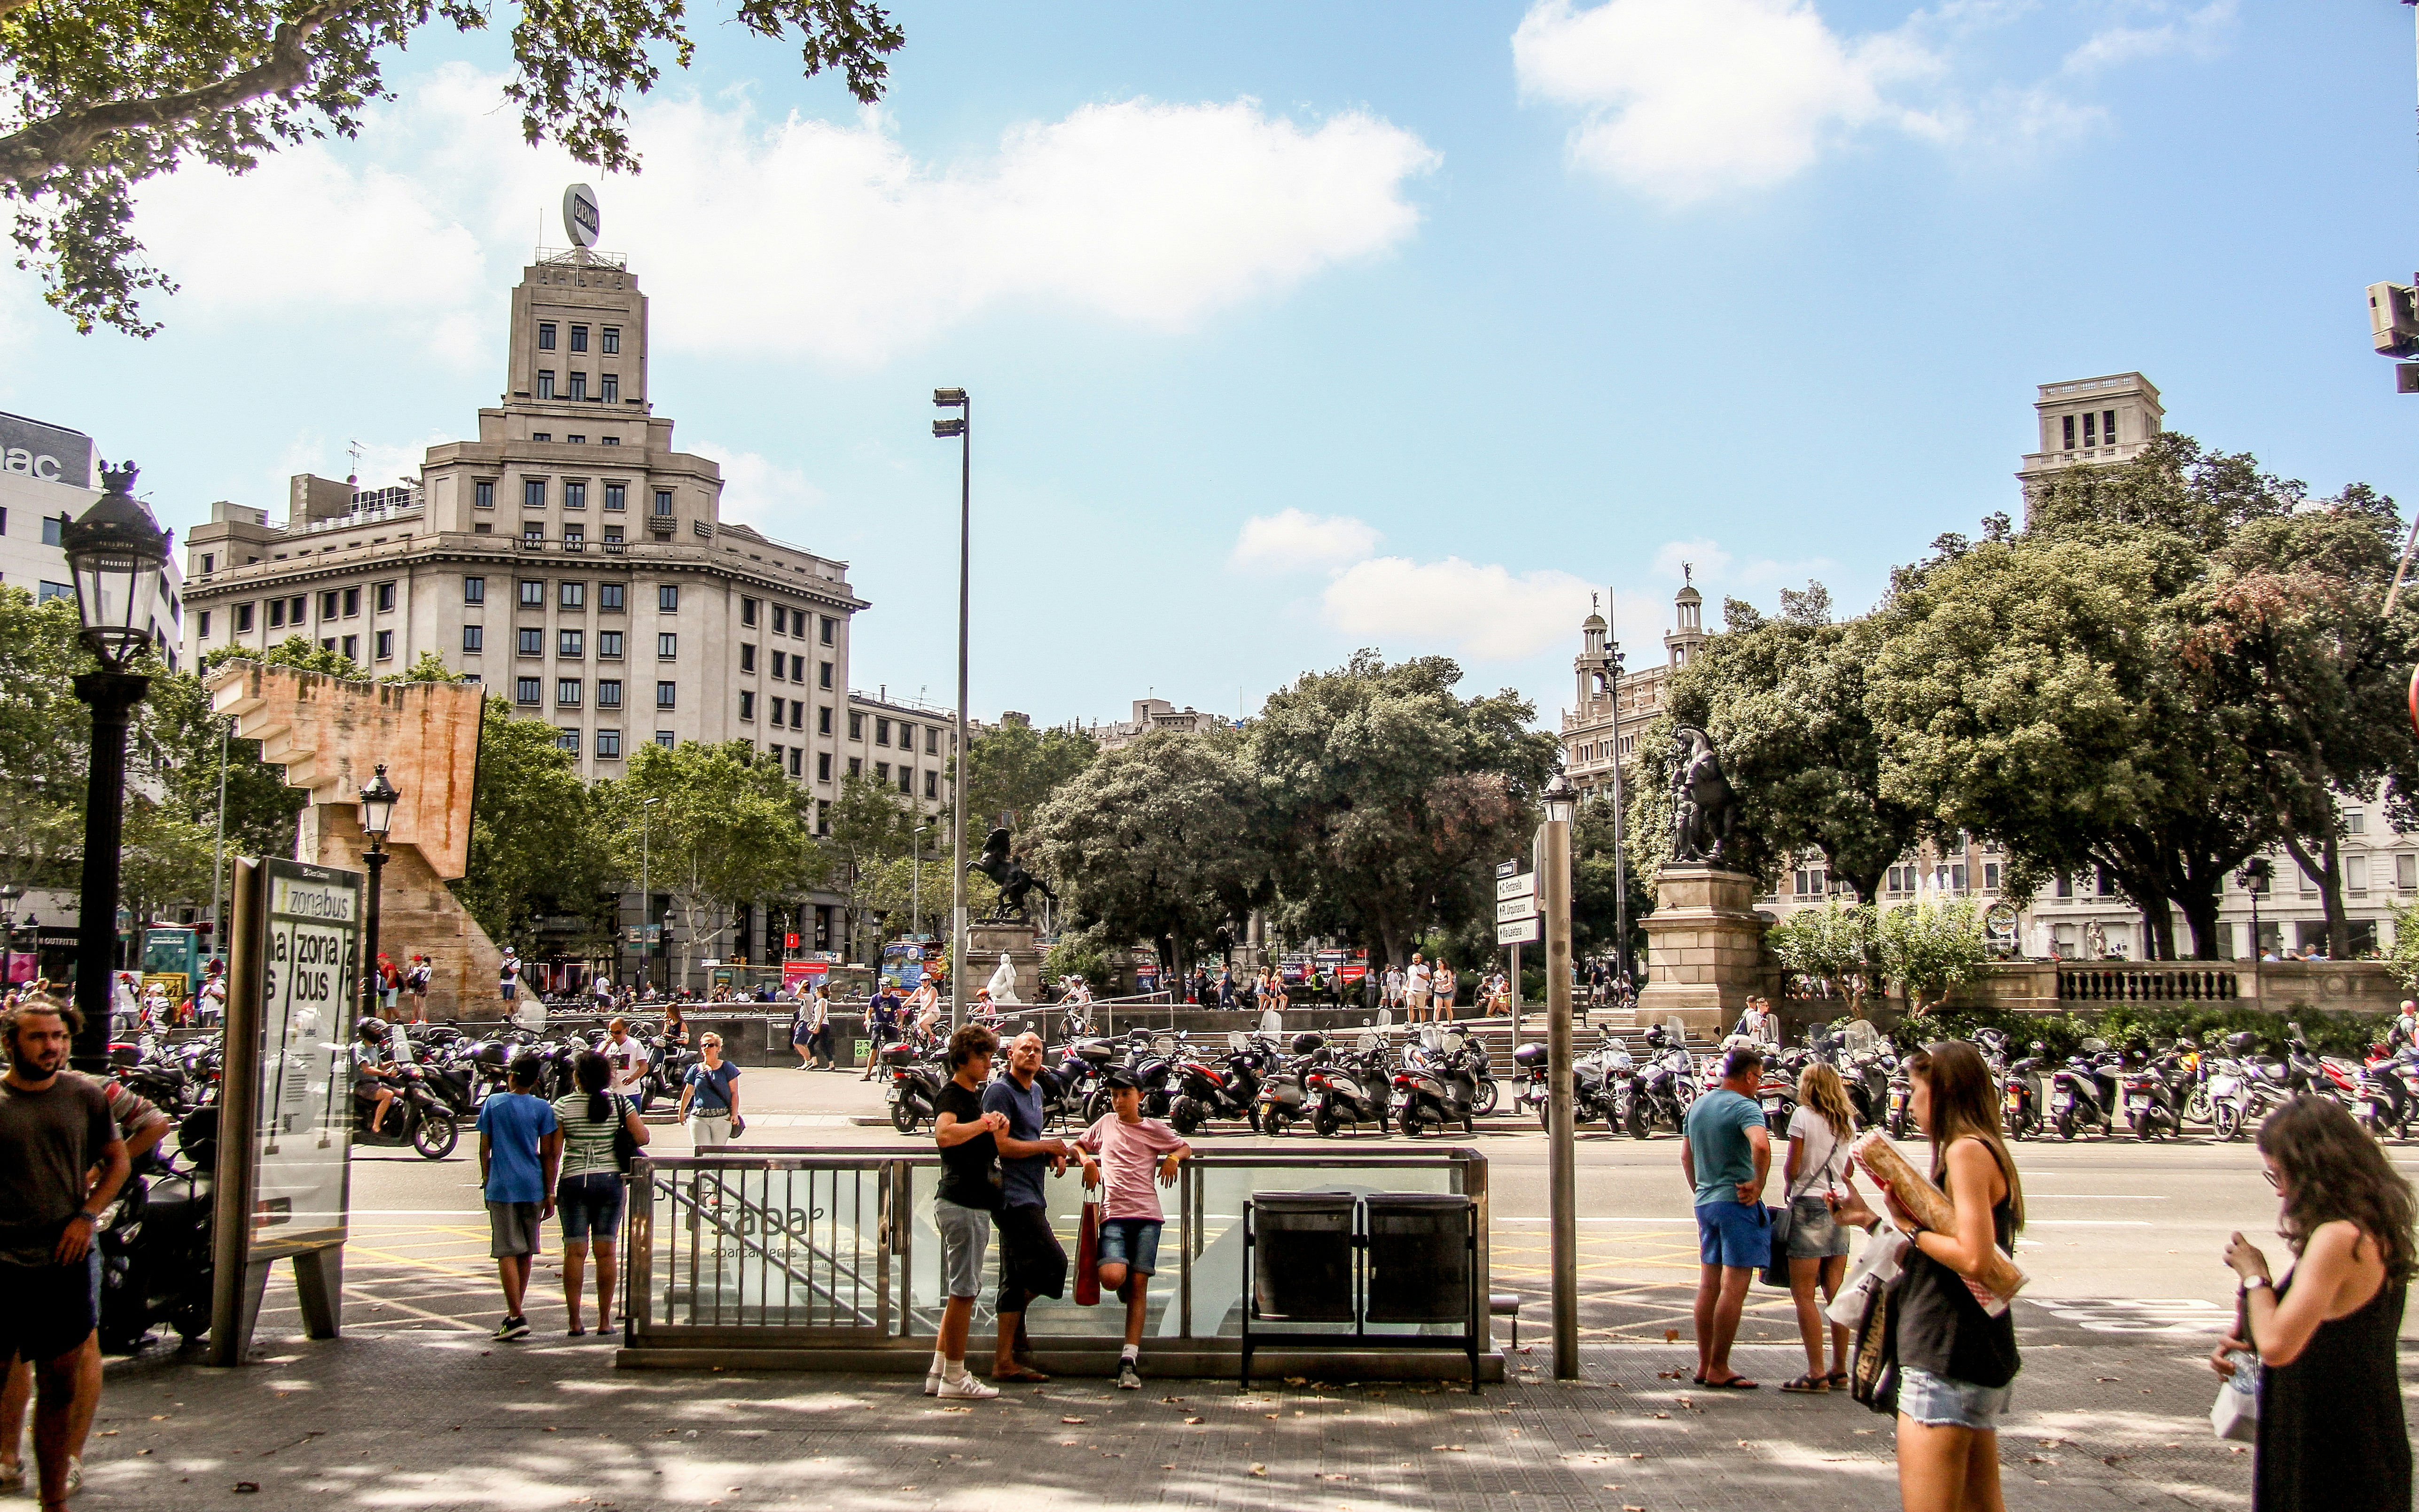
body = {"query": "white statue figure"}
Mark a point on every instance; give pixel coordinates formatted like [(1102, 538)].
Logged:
[(1003, 982)]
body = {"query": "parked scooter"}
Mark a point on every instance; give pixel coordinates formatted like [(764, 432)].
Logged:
[(914, 1092), (2154, 1094), (2085, 1090), (1228, 1090), (156, 1255), (1435, 1086), (1348, 1089), (2022, 1097), (1284, 1099), (1662, 1086)]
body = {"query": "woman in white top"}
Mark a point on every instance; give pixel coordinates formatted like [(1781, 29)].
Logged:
[(1817, 1172)]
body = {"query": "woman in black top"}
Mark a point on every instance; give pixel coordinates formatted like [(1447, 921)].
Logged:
[(1956, 1361), (2331, 1428)]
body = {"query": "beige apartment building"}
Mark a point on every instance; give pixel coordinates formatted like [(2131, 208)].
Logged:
[(577, 562)]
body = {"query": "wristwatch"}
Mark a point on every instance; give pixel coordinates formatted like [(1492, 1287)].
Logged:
[(2257, 1281)]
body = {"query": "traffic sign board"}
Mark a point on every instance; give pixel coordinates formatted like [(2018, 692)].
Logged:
[(1505, 869), (1527, 930), (1523, 885), (1508, 909)]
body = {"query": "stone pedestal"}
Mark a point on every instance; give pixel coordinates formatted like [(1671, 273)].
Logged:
[(987, 941), (1704, 948)]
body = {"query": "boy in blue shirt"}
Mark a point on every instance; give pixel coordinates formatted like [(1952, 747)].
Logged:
[(520, 1147), (1725, 1157)]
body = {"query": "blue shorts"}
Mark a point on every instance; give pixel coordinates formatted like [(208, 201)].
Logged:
[(1736, 1234), (590, 1204), (1132, 1243), (1945, 1402)]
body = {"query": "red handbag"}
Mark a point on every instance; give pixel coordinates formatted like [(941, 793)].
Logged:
[(1087, 1258)]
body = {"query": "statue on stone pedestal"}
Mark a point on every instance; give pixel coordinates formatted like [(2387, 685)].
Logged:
[(1705, 807), (1008, 874), (1003, 981)]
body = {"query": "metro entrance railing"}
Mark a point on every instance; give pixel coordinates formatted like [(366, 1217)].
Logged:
[(826, 1257)]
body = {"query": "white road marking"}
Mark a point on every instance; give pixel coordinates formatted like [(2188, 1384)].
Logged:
[(2138, 1314)]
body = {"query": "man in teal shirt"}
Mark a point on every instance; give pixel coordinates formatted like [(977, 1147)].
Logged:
[(1726, 1155)]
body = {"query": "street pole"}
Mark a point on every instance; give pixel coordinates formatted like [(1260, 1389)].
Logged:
[(372, 984), (646, 895), (1553, 867), (1620, 819), (963, 427), (1516, 997), (217, 853), (112, 696)]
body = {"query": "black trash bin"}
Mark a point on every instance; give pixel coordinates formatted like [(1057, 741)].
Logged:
[(1420, 1257), (1302, 1262)]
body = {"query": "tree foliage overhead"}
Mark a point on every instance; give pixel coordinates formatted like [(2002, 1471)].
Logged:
[(725, 827), (538, 844), (1012, 769), (102, 96)]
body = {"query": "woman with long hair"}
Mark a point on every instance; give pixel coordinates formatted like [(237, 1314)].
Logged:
[(1817, 1172), (588, 1190), (1957, 1363), (2331, 1426)]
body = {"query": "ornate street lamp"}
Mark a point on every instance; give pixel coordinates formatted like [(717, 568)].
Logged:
[(378, 821), (8, 896), (117, 554)]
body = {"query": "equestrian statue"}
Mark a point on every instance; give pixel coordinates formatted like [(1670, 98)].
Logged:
[(1705, 807), (1007, 873)]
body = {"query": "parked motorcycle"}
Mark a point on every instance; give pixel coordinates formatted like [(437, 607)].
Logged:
[(1350, 1088), (1662, 1086), (913, 1091), (2154, 1094), (2085, 1090), (156, 1255), (1228, 1090), (2022, 1097), (1284, 1099), (1435, 1086)]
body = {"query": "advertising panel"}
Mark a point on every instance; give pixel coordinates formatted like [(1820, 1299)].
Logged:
[(310, 965)]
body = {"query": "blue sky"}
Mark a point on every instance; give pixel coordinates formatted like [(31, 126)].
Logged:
[(1297, 329)]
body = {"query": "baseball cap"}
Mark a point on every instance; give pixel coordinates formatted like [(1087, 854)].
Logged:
[(1116, 1078)]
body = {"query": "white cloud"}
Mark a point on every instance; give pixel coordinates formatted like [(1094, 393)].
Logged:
[(755, 487), (1291, 540), (799, 237), (2195, 33), (1685, 99), (1482, 611)]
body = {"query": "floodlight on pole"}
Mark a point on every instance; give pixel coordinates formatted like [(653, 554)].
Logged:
[(959, 427)]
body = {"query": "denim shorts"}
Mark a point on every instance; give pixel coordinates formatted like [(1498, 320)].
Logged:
[(1945, 1402), (1132, 1243), (589, 1205), (1734, 1234), (1813, 1233), (965, 1233)]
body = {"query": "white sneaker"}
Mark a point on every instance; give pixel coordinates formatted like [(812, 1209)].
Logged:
[(932, 1383), (968, 1387)]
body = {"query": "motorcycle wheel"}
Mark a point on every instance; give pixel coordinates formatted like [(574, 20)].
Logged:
[(2196, 1107), (1898, 1126), (2066, 1125), (435, 1135), (1546, 1117), (2014, 1122), (1407, 1121), (2227, 1121), (1252, 1118), (2146, 1128), (1324, 1124), (1098, 1106), (1186, 1116), (1639, 1127), (903, 1117), (1488, 1093)]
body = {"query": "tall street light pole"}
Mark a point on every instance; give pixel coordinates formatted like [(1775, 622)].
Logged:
[(915, 886), (1553, 864), (646, 894), (960, 426), (218, 851), (1620, 814), (8, 896), (117, 554), (377, 819)]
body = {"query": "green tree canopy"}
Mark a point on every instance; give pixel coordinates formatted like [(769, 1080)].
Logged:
[(538, 842), (1012, 769)]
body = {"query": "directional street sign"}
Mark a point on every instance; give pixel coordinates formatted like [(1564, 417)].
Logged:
[(1505, 869), (1523, 885), (1525, 931), (1508, 909)]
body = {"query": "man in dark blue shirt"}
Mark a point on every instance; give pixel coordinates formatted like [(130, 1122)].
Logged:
[(1032, 1263)]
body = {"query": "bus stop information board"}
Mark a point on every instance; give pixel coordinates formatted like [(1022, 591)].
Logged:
[(303, 1129)]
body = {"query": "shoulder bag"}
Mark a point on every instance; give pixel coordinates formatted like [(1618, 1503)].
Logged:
[(625, 1145)]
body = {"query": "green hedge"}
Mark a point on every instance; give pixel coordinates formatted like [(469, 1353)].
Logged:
[(2334, 1034)]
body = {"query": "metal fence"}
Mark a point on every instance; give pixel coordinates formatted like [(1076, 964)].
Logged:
[(828, 1257)]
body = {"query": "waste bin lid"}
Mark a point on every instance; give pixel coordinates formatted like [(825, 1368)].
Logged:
[(1314, 1201), (1433, 1200)]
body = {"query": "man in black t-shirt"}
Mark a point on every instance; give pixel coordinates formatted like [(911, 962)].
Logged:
[(963, 1204)]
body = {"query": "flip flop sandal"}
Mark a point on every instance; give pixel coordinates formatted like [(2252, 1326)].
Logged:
[(1837, 1380), (1816, 1384), (1019, 1372), (1734, 1383)]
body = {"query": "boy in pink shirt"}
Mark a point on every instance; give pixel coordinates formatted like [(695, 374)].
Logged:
[(1135, 1149)]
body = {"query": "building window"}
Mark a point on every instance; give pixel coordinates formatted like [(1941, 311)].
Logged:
[(276, 610), (328, 605), (932, 785), (666, 739), (578, 390), (609, 644), (2065, 885), (612, 538), (667, 647), (2068, 422), (294, 607), (385, 643), (474, 639), (580, 338), (2108, 427), (2406, 872), (823, 827), (780, 620), (1811, 882), (571, 596), (881, 731), (609, 390), (823, 720), (666, 695), (532, 642), (533, 493), (566, 692), (828, 629), (882, 773), (668, 597), (567, 643), (748, 612), (855, 727), (617, 496), (329, 643), (2356, 874), (545, 335), (608, 744), (608, 595), (574, 496), (2090, 428), (823, 767), (210, 563), (544, 390), (611, 336), (482, 494), (540, 435), (243, 618), (907, 781), (567, 740), (856, 766), (747, 705), (2355, 821), (664, 503), (608, 692), (798, 714), (779, 706), (533, 592), (747, 658), (533, 533), (822, 675), (352, 602), (798, 755), (932, 740), (203, 624), (1990, 876), (385, 597), (525, 689)]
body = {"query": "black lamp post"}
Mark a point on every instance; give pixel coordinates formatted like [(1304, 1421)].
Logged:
[(377, 819), (8, 896), (117, 554)]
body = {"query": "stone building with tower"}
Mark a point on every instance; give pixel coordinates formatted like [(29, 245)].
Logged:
[(1609, 695), (574, 560)]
